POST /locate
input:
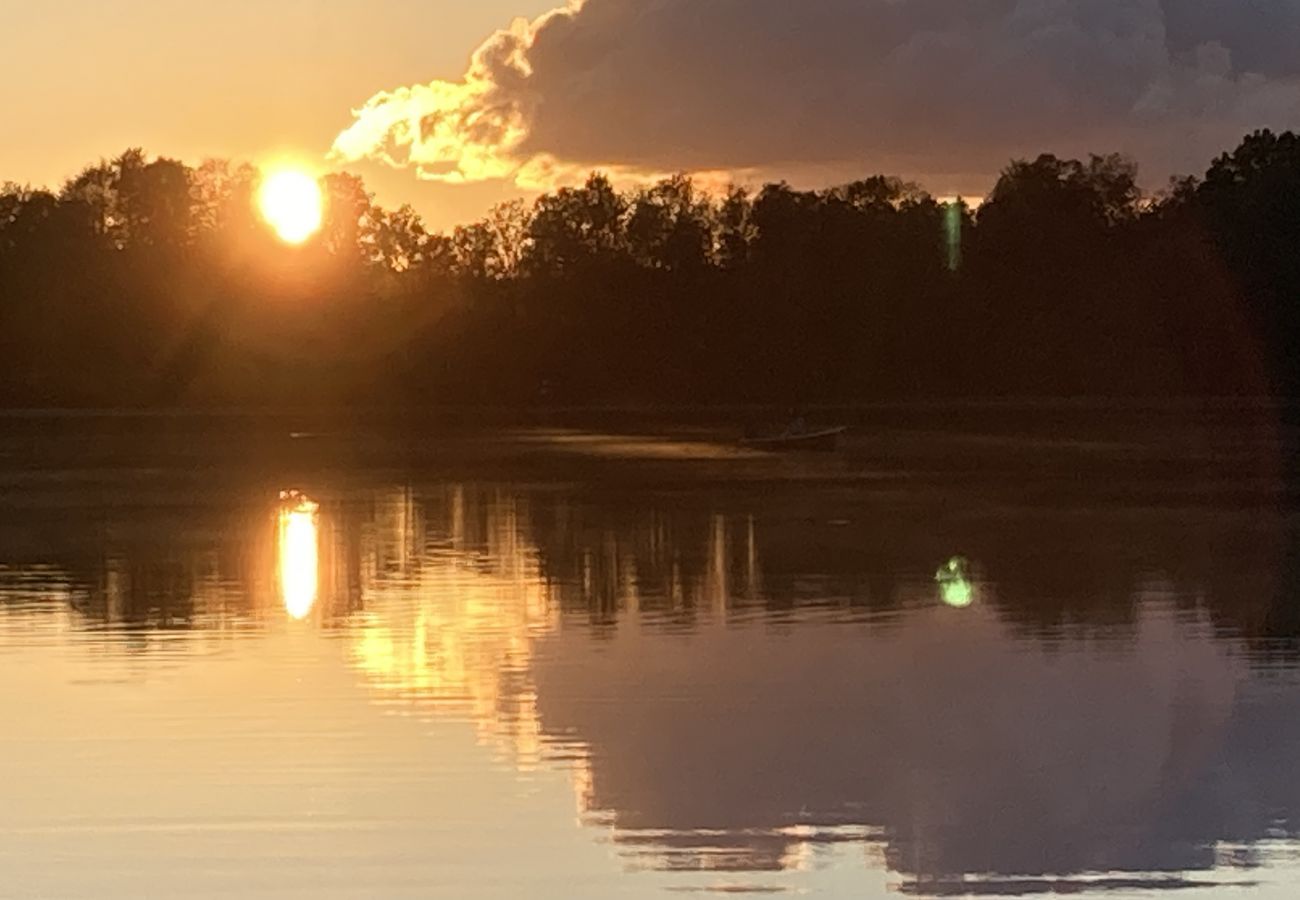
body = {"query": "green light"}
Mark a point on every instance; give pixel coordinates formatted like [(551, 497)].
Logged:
[(958, 594), (952, 222), (955, 586)]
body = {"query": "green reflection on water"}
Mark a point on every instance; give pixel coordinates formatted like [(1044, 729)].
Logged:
[(955, 586)]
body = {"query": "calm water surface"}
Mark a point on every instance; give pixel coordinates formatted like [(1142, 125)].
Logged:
[(572, 664)]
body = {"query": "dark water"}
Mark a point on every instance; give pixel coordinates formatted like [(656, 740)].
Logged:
[(565, 663)]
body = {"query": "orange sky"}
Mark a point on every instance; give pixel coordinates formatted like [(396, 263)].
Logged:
[(240, 79)]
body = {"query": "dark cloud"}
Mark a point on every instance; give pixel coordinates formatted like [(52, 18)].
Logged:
[(935, 89), (1263, 36)]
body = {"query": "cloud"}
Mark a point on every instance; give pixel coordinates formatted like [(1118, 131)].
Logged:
[(945, 92)]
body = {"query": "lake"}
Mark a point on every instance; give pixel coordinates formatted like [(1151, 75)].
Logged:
[(975, 653)]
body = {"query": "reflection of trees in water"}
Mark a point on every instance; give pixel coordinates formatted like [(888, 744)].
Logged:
[(678, 567), (439, 595), (674, 564), (1099, 714), (1066, 579), (451, 600), (839, 703), (675, 560), (139, 571), (967, 750), (202, 568)]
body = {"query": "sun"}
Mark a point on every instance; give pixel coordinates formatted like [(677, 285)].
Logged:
[(292, 202)]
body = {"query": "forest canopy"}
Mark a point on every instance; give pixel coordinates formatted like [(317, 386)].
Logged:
[(144, 282)]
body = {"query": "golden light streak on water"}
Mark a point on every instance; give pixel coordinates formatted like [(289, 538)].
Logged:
[(298, 556), (440, 635)]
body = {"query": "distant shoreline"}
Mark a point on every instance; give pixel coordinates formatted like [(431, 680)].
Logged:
[(1095, 403)]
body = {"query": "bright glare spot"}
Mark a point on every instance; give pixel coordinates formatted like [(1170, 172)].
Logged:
[(297, 557), (955, 586), (292, 202)]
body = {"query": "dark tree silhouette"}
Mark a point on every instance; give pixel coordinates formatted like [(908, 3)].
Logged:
[(144, 282)]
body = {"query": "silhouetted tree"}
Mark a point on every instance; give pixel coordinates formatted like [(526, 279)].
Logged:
[(154, 201), (1250, 200), (735, 228), (147, 282), (670, 227), (575, 227), (494, 248)]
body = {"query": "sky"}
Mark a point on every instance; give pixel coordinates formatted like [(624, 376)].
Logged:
[(460, 108), (242, 79)]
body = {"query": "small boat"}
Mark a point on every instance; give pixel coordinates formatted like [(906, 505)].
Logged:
[(822, 440)]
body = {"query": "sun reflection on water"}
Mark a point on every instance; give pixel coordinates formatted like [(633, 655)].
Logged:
[(297, 554)]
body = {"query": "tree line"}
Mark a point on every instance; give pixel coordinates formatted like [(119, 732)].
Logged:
[(149, 283)]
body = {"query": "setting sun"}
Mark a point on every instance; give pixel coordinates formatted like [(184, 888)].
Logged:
[(292, 202)]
